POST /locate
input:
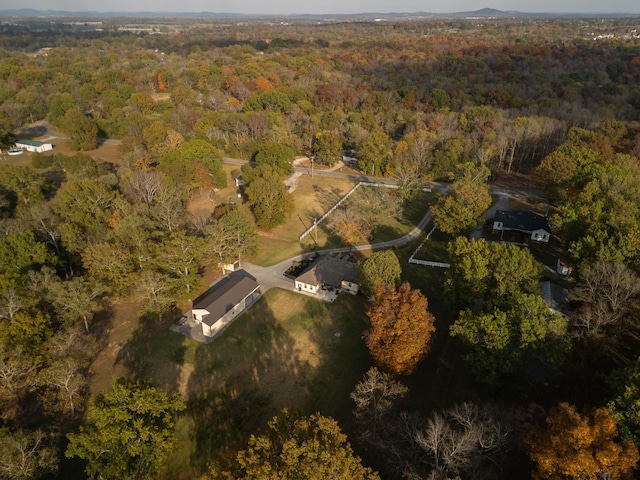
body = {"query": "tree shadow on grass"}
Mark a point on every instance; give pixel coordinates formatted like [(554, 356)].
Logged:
[(239, 381), (343, 357), (384, 233), (327, 198), (32, 132), (102, 323), (154, 352)]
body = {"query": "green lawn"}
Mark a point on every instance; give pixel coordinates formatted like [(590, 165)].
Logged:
[(288, 350)]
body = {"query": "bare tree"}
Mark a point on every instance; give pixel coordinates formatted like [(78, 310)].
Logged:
[(45, 222), (155, 289), (463, 440), (11, 302), (199, 219), (608, 295), (419, 147), (26, 455), (349, 226), (71, 342), (78, 298), (41, 280), (374, 396), (169, 207), (63, 383), (16, 369), (145, 185)]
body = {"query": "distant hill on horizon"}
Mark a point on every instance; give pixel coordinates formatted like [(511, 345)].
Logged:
[(482, 13)]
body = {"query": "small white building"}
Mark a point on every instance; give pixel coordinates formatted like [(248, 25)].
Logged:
[(563, 268), (34, 146), (223, 303)]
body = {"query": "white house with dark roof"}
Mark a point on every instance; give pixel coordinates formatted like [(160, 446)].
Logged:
[(530, 225), (328, 272), (223, 303)]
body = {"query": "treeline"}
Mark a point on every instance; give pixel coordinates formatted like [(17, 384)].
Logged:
[(415, 101), (500, 94), (75, 236)]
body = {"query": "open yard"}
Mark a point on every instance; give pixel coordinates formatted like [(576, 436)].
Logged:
[(314, 197), (288, 350)]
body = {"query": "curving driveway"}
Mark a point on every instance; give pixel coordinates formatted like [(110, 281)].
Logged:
[(273, 276)]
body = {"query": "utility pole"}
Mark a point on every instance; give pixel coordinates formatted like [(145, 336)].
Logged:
[(312, 162)]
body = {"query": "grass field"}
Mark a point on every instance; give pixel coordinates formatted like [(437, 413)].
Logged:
[(288, 350), (314, 197)]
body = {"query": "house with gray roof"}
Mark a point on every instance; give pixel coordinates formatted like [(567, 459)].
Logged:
[(224, 302), (329, 272)]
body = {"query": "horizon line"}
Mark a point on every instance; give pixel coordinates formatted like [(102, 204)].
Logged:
[(200, 12)]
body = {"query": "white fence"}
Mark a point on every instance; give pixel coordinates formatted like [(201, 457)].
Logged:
[(427, 263), (340, 202)]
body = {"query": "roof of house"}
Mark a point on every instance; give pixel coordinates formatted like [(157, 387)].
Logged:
[(523, 221), (223, 296), (32, 143), (329, 270)]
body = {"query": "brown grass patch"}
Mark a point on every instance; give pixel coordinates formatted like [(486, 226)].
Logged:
[(106, 368)]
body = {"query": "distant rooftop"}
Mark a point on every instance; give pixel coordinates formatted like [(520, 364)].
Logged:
[(523, 221)]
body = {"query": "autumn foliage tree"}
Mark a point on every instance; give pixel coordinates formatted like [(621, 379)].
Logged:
[(402, 328), (298, 447), (588, 446)]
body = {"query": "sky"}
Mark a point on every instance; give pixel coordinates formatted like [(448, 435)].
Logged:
[(327, 6)]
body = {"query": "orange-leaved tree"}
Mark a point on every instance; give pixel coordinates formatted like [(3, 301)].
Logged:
[(401, 328), (572, 445)]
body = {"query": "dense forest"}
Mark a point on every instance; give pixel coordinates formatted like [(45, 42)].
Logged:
[(549, 105)]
